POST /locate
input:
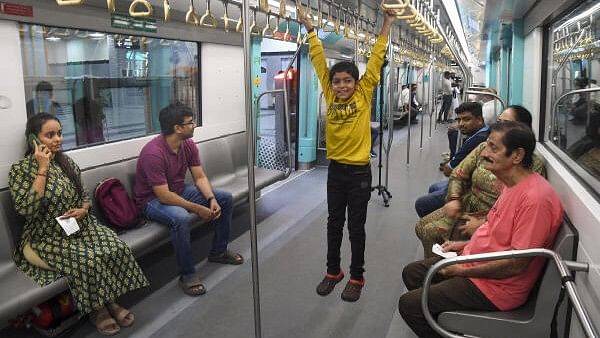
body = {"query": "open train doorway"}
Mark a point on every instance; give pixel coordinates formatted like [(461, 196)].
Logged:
[(272, 128)]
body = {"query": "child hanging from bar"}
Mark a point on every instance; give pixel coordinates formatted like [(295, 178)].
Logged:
[(348, 140)]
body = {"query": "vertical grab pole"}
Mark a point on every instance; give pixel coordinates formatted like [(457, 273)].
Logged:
[(409, 109), (432, 94), (390, 114), (251, 159)]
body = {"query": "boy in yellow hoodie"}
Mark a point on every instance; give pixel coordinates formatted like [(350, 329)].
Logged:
[(348, 141)]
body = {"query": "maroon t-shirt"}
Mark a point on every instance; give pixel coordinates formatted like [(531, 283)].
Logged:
[(159, 165)]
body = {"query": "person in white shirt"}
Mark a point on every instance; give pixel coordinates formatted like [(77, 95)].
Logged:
[(455, 101), (405, 97), (446, 98)]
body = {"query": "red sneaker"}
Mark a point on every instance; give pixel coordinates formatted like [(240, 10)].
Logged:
[(353, 289), (328, 283)]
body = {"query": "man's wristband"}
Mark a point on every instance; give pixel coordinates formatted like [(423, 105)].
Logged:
[(210, 199)]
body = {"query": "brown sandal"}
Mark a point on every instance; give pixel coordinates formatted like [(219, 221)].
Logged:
[(227, 257), (124, 317), (105, 324), (192, 287)]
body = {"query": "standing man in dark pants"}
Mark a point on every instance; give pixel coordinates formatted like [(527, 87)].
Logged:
[(446, 98)]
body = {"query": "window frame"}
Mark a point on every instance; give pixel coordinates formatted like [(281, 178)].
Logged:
[(588, 181), (198, 115)]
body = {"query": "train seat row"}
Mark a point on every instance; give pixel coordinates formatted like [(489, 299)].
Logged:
[(224, 160)]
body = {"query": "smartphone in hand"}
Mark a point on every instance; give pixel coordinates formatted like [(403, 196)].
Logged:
[(33, 140)]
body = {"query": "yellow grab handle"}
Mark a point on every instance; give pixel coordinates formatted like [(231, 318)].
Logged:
[(190, 16), (69, 2), (140, 14), (167, 9), (282, 9), (112, 5)]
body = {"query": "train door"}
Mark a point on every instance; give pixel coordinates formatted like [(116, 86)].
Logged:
[(272, 127)]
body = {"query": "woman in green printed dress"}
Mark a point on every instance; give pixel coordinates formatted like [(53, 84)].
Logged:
[(472, 191), (98, 266)]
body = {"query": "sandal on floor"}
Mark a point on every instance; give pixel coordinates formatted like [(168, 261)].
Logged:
[(124, 317), (192, 287), (105, 324), (227, 257)]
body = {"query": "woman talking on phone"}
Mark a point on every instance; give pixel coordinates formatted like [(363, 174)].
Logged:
[(99, 267)]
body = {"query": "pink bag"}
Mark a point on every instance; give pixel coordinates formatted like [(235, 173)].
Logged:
[(116, 206)]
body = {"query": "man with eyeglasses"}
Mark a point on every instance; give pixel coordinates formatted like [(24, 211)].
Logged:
[(162, 195)]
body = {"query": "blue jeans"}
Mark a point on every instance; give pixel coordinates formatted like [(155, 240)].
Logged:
[(435, 199), (179, 221)]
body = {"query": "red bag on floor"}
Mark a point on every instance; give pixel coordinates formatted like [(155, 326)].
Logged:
[(51, 313)]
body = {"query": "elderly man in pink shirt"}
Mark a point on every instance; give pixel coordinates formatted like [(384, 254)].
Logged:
[(527, 215)]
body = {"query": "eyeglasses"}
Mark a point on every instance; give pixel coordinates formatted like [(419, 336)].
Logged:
[(185, 124)]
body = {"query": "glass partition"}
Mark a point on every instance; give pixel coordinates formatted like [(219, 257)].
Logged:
[(105, 87), (574, 95)]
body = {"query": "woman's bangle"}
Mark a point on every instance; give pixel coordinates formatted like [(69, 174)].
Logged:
[(453, 198), (45, 174), (210, 199)]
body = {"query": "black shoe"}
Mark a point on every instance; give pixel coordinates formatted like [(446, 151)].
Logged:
[(352, 290), (328, 283)]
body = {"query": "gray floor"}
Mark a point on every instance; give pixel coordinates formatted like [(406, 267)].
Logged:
[(291, 231)]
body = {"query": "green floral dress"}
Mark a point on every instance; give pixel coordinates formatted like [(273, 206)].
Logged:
[(478, 189), (98, 266)]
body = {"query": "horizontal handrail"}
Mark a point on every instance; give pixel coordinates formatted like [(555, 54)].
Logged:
[(563, 270), (476, 92), (576, 91)]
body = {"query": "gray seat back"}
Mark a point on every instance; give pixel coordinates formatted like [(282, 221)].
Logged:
[(219, 168), (12, 228)]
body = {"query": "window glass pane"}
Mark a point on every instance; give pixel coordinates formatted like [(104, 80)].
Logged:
[(574, 72), (105, 87)]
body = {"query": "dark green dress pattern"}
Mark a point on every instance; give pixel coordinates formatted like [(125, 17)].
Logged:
[(98, 266)]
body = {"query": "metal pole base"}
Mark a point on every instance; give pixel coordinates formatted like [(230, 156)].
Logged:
[(382, 191)]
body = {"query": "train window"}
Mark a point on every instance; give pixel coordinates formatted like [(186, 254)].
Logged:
[(574, 94), (105, 87)]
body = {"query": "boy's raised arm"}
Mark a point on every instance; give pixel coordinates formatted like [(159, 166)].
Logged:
[(317, 54), (371, 77)]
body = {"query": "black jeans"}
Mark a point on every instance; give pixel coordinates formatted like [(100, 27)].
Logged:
[(446, 104), (348, 186), (445, 294)]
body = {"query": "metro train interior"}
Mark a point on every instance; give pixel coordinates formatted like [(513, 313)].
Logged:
[(106, 69)]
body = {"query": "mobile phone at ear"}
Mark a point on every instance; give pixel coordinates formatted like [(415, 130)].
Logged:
[(33, 140)]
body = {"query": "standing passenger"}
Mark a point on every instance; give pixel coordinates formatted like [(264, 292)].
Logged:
[(446, 98), (161, 193), (99, 267), (348, 144), (405, 98)]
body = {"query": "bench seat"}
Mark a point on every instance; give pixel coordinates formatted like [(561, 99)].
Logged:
[(225, 163)]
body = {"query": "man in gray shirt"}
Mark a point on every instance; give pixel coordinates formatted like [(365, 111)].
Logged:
[(446, 97)]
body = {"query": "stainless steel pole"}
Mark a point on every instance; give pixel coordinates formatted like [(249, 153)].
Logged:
[(251, 161)]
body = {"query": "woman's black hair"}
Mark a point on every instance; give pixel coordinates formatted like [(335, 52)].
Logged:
[(523, 115), (34, 126)]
